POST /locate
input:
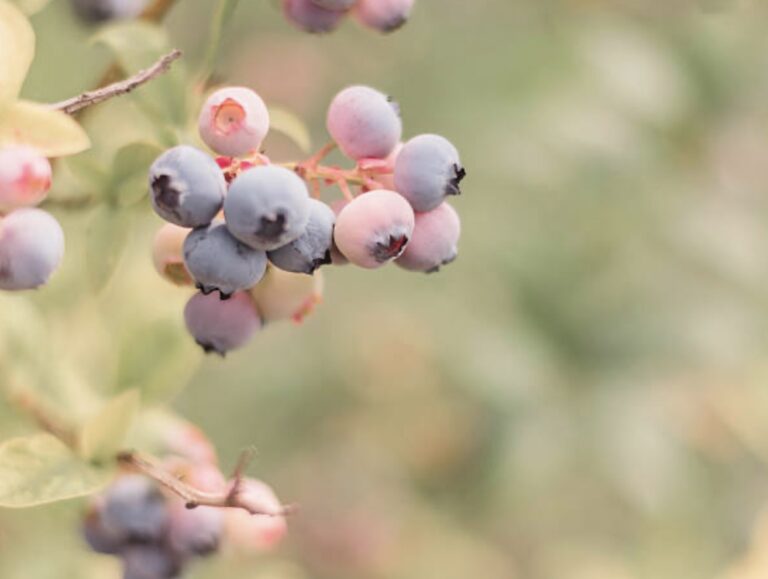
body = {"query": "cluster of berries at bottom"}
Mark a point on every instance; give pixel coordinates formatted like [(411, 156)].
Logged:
[(157, 536), (31, 240), (248, 233), (321, 16)]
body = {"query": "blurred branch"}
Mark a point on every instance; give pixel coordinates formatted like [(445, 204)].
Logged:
[(94, 97), (33, 407), (155, 12), (194, 498)]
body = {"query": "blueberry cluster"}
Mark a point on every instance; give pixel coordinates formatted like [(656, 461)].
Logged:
[(31, 240), (321, 16), (156, 536), (250, 236)]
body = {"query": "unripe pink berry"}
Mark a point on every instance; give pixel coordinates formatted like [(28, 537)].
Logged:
[(234, 121), (434, 242), (167, 254), (375, 228), (337, 258), (256, 532), (25, 177), (186, 441), (282, 295), (383, 15), (221, 325), (31, 249), (364, 122), (310, 17), (335, 4)]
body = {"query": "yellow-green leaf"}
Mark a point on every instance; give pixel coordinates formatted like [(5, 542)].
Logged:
[(108, 233), (41, 469), (53, 133), (129, 172), (17, 49), (284, 121), (31, 6), (103, 435)]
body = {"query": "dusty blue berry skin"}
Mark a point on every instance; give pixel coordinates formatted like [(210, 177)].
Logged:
[(186, 187), (94, 11), (267, 207), (151, 562), (219, 262), (428, 170), (31, 249), (312, 248), (99, 538), (310, 17), (136, 509)]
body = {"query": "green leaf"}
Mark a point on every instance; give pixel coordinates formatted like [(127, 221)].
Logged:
[(17, 49), (136, 46), (225, 10), (128, 183), (31, 6), (107, 238), (160, 359), (53, 133), (41, 469), (103, 435), (284, 121)]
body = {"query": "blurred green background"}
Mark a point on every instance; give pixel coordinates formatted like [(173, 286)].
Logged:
[(582, 395)]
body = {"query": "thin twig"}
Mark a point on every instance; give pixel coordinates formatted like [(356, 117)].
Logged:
[(191, 496), (94, 97)]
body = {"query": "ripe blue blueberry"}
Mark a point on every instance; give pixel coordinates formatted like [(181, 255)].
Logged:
[(187, 187), (364, 122), (427, 170), (136, 509), (219, 262), (151, 562), (31, 249), (383, 15), (434, 242), (103, 10), (267, 207), (220, 326), (313, 247), (310, 17), (99, 538)]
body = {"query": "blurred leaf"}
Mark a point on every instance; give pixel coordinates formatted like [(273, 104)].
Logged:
[(54, 133), (17, 49), (103, 435), (160, 360), (129, 172), (286, 122), (138, 45), (107, 238), (41, 469), (31, 6), (225, 10)]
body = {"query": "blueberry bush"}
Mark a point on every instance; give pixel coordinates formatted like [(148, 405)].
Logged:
[(580, 394)]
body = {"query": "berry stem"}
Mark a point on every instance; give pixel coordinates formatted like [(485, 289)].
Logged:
[(75, 104), (150, 467)]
